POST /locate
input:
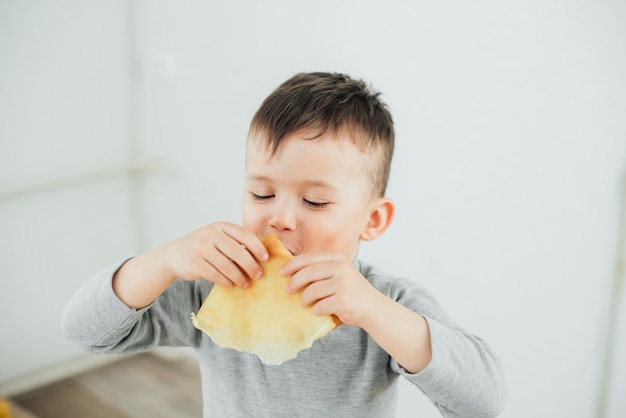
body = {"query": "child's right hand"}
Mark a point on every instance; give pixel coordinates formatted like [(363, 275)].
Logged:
[(223, 253)]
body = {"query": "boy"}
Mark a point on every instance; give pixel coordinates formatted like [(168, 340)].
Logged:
[(317, 163)]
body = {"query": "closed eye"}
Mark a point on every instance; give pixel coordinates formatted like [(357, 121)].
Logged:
[(261, 198), (315, 205)]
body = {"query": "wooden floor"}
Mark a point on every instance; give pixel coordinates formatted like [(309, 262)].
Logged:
[(144, 385)]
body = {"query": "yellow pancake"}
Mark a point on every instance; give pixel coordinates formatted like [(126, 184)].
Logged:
[(263, 319)]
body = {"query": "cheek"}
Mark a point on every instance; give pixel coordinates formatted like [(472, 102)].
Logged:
[(248, 217), (255, 217), (336, 233)]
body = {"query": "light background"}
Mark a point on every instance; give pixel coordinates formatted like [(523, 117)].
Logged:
[(511, 151)]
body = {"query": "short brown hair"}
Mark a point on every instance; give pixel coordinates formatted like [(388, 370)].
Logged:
[(330, 103)]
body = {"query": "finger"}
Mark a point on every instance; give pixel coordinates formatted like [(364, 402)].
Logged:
[(316, 292), (326, 306), (219, 278), (226, 269), (240, 257), (210, 273), (301, 261), (308, 275), (250, 242)]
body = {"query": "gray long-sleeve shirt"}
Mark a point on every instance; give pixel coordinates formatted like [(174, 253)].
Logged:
[(344, 374)]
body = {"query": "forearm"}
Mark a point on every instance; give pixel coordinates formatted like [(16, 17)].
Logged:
[(465, 377), (93, 313), (402, 333), (142, 279)]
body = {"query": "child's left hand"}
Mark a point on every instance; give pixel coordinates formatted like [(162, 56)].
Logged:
[(331, 285)]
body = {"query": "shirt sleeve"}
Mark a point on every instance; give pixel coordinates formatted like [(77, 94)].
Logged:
[(464, 377), (98, 321)]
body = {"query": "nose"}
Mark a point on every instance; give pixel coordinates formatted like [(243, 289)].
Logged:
[(284, 217)]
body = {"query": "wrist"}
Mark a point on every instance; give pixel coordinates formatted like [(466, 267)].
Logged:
[(160, 260), (142, 279), (402, 333), (374, 309)]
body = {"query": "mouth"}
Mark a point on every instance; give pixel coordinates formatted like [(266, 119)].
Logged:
[(293, 249)]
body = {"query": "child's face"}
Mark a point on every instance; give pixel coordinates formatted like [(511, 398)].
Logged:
[(315, 194)]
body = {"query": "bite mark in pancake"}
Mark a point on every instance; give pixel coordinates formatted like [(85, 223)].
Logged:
[(263, 319)]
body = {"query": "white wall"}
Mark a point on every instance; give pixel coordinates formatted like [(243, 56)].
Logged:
[(64, 94), (510, 149)]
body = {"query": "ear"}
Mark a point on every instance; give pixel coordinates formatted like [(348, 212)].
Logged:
[(379, 220)]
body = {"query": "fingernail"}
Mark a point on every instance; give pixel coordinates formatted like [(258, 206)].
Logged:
[(258, 274)]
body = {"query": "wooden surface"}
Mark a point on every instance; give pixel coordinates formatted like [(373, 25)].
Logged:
[(141, 386), (10, 409)]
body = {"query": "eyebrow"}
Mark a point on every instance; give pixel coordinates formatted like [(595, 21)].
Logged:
[(309, 183)]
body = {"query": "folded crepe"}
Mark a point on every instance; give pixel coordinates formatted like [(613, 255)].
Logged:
[(263, 319)]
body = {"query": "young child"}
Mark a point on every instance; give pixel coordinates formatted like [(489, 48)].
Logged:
[(317, 163)]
